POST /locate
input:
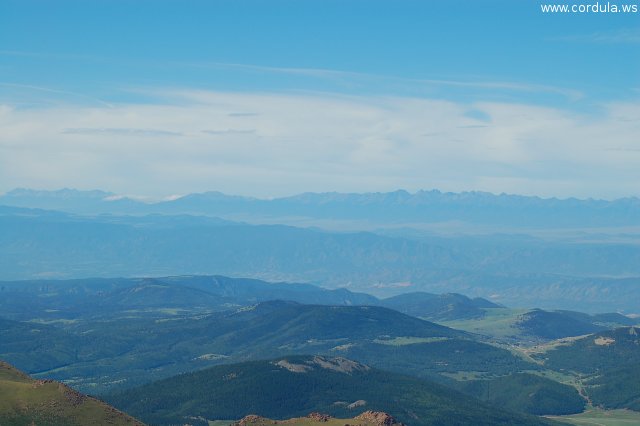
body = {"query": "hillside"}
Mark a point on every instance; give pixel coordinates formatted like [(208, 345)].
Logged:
[(37, 347), (616, 388), (606, 362), (603, 351), (47, 300), (438, 307), (555, 325), (128, 350), (82, 299), (25, 401), (609, 320), (526, 393), (294, 386), (530, 327)]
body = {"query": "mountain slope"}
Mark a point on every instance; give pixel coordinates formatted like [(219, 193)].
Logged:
[(526, 393), (283, 322), (438, 307), (616, 388), (130, 350), (103, 297), (537, 326), (25, 401), (607, 363), (596, 353), (294, 386), (37, 347), (556, 325)]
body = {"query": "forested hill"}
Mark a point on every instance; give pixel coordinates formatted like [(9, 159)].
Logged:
[(294, 386)]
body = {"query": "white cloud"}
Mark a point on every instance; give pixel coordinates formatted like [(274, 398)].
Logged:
[(620, 36), (268, 144), (65, 93), (119, 132)]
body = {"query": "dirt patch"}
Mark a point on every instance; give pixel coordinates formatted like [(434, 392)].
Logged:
[(319, 417), (604, 341), (356, 404), (294, 368), (341, 365), (378, 418), (252, 419)]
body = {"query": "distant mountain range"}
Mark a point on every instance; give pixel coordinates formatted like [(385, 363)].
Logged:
[(594, 276), (392, 207), (50, 300), (81, 299)]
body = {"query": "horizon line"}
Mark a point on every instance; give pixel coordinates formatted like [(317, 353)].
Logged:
[(147, 199)]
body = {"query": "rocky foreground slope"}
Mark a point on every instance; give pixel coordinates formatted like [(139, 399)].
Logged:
[(25, 401), (368, 418)]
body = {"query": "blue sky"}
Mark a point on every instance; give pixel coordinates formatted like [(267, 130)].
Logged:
[(195, 88)]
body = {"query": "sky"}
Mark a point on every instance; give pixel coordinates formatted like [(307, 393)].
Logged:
[(272, 98)]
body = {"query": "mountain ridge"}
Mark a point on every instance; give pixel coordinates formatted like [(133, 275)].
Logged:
[(64, 245), (396, 206)]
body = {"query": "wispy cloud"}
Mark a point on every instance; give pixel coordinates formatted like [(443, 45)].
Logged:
[(509, 86), (309, 72), (622, 36), (473, 126), (309, 142), (346, 78), (230, 132), (48, 55), (242, 114), (67, 93), (358, 77), (119, 132)]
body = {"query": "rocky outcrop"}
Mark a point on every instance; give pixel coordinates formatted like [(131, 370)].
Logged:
[(356, 404), (369, 418), (378, 418), (319, 417), (339, 364), (294, 368), (253, 419), (39, 383), (74, 397)]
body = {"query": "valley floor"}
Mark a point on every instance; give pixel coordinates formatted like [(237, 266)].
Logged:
[(597, 417)]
